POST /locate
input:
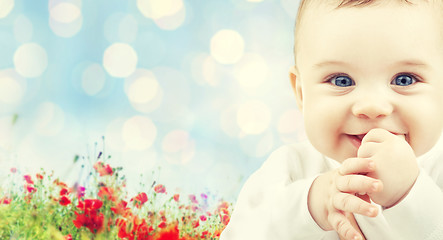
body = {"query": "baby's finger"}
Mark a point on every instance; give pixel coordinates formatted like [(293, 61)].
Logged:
[(350, 203), (377, 135), (356, 183), (343, 227), (356, 165), (367, 149), (402, 136)]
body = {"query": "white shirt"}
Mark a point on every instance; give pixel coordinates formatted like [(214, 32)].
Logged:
[(273, 202)]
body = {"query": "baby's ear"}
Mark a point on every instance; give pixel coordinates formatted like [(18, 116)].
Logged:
[(294, 77)]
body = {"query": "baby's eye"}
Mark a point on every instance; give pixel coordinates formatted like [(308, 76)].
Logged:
[(404, 80), (342, 81)]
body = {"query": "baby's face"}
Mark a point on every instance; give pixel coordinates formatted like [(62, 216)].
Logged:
[(370, 67)]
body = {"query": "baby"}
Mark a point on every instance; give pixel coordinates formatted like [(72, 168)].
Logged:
[(368, 79)]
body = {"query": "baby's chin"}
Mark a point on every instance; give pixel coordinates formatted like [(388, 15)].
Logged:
[(341, 157), (338, 156)]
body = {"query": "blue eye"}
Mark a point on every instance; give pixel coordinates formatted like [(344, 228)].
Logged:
[(342, 81), (403, 80)]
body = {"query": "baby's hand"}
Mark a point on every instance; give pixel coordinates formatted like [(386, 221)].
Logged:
[(332, 197), (395, 165)]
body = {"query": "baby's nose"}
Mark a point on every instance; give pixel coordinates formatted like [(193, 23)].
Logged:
[(372, 107)]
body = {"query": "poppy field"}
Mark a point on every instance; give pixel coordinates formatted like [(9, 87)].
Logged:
[(40, 206)]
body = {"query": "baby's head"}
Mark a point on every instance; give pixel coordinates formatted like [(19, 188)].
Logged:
[(363, 64)]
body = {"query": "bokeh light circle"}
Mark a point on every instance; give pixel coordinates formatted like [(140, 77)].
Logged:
[(172, 22), (65, 18), (143, 91), (6, 7), (205, 70), (228, 121), (114, 137), (227, 46), (65, 12), (176, 95), (209, 70), (121, 27), (50, 119), (66, 30), (178, 147), (54, 3), (10, 91), (120, 60), (93, 79), (12, 87), (251, 71), (291, 6), (127, 29), (291, 127), (23, 29), (253, 117), (257, 146), (139, 133), (155, 9), (30, 60)]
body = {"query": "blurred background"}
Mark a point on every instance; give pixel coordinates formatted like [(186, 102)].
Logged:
[(192, 94)]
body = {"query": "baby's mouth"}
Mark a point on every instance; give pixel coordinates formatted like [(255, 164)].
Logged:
[(360, 136), (356, 139)]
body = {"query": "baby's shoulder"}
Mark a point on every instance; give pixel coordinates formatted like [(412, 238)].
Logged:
[(296, 160), (300, 151)]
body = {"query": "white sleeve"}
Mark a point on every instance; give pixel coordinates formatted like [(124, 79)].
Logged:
[(271, 205), (420, 214)]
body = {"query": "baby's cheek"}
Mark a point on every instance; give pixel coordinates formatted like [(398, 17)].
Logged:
[(423, 143)]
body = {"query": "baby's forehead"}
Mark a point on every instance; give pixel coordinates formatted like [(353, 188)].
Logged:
[(313, 8), (310, 10)]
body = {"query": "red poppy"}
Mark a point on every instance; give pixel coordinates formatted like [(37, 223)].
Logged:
[(103, 169), (194, 208), (80, 191), (195, 224), (90, 218), (61, 184), (217, 232), (203, 218), (90, 205), (39, 176), (64, 191), (176, 197), (94, 222), (64, 201), (138, 229), (5, 200), (28, 179), (160, 188), (140, 199), (223, 205), (162, 225), (68, 237), (224, 219), (30, 188), (169, 233), (120, 208), (193, 199), (107, 192), (28, 198), (204, 234)]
